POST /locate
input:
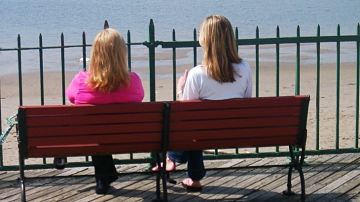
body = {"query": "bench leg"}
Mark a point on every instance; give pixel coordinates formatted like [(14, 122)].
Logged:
[(160, 174), (302, 181), (22, 178), (157, 180), (164, 176), (288, 192)]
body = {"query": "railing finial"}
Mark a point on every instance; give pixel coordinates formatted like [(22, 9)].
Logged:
[(106, 24)]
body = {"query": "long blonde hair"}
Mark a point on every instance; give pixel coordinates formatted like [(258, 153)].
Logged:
[(218, 41), (108, 63)]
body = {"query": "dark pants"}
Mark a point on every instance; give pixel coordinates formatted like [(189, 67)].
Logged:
[(195, 162), (104, 166)]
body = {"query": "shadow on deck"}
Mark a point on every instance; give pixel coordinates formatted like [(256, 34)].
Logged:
[(327, 178)]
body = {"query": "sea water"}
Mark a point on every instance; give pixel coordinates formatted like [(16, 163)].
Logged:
[(30, 18)]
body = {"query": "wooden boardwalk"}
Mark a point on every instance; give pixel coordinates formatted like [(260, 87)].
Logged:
[(327, 178)]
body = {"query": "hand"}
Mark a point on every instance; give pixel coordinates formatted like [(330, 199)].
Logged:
[(181, 82)]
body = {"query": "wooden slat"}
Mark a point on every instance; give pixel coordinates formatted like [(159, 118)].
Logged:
[(96, 139), (235, 133), (232, 143), (234, 123), (93, 150), (239, 103), (93, 119), (93, 129), (235, 113), (54, 110)]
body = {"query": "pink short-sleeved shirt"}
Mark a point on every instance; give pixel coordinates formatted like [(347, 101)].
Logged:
[(79, 92)]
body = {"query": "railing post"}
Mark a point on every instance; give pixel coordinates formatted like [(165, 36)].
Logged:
[(41, 61), (129, 49), (297, 76), (63, 68), (151, 47), (337, 87), (84, 50), (318, 90), (257, 62), (20, 70), (1, 148), (195, 49), (357, 87), (277, 62), (174, 65), (237, 39)]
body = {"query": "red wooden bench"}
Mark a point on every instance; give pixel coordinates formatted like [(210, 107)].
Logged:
[(250, 122), (58, 131)]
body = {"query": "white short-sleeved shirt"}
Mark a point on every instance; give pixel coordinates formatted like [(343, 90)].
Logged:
[(199, 85)]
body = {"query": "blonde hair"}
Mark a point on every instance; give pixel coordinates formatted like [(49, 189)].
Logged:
[(108, 63), (218, 41)]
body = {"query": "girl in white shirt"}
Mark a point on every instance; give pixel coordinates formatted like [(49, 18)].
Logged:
[(222, 75)]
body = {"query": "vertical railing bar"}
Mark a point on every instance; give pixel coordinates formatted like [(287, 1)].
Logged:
[(257, 62), (84, 50), (84, 64), (357, 87), (277, 62), (131, 155), (63, 69), (174, 65), (237, 50), (129, 49), (297, 79), (41, 61), (277, 67), (237, 38), (151, 48), (20, 71), (257, 68), (1, 148), (337, 87), (318, 90), (152, 59), (195, 48)]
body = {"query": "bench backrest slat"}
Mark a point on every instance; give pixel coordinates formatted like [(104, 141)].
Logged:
[(268, 121), (88, 129)]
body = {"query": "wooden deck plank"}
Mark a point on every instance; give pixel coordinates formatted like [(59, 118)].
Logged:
[(207, 181), (314, 170), (274, 189), (12, 193), (61, 187), (344, 191), (224, 187), (149, 193), (327, 178), (87, 193)]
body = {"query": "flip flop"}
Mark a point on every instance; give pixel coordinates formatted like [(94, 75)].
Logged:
[(168, 168)]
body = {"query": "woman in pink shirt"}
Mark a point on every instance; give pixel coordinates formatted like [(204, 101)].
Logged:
[(107, 81)]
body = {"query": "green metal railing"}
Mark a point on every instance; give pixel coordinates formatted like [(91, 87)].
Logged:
[(152, 46)]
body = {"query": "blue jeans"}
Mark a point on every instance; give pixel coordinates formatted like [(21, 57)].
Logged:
[(195, 166)]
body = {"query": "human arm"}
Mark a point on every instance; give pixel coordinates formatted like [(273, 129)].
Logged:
[(73, 88), (137, 88), (181, 84)]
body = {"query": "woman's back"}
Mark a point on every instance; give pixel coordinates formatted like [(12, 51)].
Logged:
[(199, 85)]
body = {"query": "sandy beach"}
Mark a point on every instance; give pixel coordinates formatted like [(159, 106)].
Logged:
[(164, 90)]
